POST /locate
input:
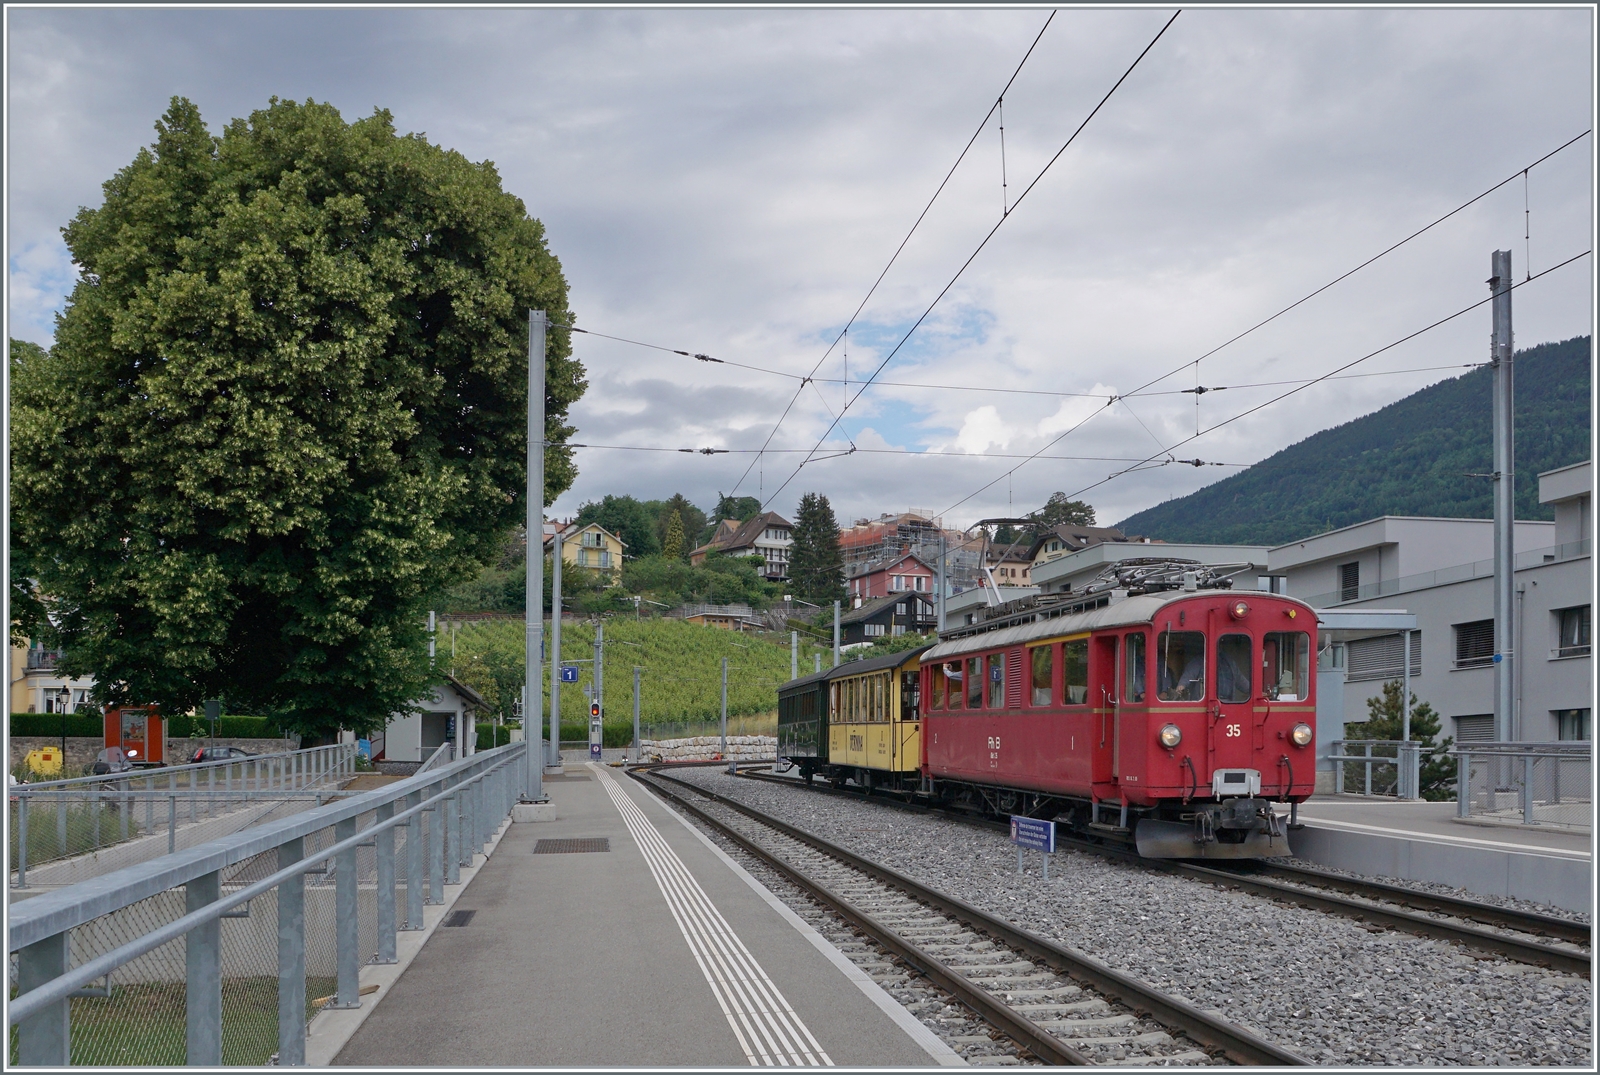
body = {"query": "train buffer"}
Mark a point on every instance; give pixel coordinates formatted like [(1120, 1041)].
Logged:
[(586, 947)]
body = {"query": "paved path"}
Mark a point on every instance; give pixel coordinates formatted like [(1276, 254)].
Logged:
[(659, 952)]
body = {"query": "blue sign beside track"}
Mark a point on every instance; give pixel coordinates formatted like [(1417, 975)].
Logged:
[(1032, 833)]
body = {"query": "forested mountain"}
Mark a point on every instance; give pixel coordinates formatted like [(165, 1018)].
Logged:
[(1413, 457)]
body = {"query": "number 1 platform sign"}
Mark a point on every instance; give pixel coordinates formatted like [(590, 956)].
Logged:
[(1036, 835)]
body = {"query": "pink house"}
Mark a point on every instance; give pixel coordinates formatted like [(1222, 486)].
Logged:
[(884, 578)]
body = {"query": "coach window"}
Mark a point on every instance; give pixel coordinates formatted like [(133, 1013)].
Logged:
[(1043, 673), (997, 681), (952, 671), (1233, 668), (974, 682), (1075, 672), (936, 675), (1133, 684), (1285, 666), (1181, 666)]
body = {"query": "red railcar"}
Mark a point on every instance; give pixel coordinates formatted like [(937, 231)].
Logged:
[(1173, 718)]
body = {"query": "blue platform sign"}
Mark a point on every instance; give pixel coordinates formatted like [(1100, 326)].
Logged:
[(1032, 833), (569, 673)]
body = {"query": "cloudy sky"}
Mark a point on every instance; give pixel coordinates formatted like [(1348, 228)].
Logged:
[(733, 182)]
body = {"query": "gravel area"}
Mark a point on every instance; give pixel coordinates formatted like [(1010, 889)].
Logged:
[(1332, 989), (1508, 902)]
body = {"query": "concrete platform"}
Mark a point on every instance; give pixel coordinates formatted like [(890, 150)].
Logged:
[(1425, 841), (659, 952)]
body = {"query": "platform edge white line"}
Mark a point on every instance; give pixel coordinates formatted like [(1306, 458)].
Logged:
[(930, 1042)]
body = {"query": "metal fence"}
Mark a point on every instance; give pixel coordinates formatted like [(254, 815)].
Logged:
[(223, 953), (1376, 767), (65, 831), (1526, 783)]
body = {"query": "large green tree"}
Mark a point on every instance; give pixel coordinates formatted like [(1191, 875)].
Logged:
[(816, 567), (627, 518), (286, 402), (1058, 510)]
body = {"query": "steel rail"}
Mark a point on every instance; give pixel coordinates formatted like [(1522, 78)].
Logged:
[(1522, 951), (1526, 921), (1237, 1044)]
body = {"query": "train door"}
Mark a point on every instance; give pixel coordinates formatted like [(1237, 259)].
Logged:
[(1233, 657), (1103, 733)]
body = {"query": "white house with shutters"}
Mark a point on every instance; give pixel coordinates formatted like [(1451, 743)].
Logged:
[(1441, 571)]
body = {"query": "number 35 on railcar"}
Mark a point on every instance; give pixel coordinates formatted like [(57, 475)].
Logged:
[(1174, 718)]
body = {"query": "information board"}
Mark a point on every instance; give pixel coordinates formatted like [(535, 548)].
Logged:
[(1032, 833)]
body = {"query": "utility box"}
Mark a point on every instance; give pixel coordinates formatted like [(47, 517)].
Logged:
[(140, 731), (46, 761)]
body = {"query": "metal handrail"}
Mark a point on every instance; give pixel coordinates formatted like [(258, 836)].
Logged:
[(1569, 748), (1407, 760), (444, 753), (67, 783), (1444, 576), (61, 987)]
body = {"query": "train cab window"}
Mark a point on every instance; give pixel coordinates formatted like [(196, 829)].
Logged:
[(974, 682), (997, 681), (1075, 672), (1133, 674), (1233, 668), (937, 686), (953, 673), (1042, 658), (1181, 662), (1285, 665), (910, 695)]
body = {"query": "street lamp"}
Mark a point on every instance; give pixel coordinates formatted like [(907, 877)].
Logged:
[(63, 698)]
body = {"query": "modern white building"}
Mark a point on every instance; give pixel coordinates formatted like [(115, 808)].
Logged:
[(1440, 571), (445, 714), (1072, 571)]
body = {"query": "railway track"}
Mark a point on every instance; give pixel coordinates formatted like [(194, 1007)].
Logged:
[(1376, 904), (1058, 1005)]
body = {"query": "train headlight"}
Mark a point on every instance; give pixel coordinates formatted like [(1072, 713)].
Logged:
[(1301, 735), (1170, 736)]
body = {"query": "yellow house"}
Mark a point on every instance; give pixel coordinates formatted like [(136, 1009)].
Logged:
[(35, 686), (592, 547)]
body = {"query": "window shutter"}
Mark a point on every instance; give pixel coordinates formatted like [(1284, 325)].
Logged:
[(1349, 581), (1475, 729), (1014, 661), (1474, 643), (1380, 658)]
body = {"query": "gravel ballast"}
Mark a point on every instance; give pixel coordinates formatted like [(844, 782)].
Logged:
[(1329, 988)]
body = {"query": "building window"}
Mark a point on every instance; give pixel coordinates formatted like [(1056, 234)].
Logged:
[(900, 608), (1574, 637), (1381, 657), (605, 557), (898, 630), (1349, 581), (874, 630), (1474, 643), (921, 584), (1477, 728), (1572, 724)]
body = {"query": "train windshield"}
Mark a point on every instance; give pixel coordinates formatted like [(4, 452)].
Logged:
[(1233, 668), (1285, 665), (1181, 660)]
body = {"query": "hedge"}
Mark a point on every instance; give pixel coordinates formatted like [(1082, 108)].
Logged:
[(93, 727)]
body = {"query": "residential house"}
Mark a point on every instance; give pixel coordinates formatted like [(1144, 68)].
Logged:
[(911, 612), (880, 578), (35, 686), (768, 535), (1070, 537), (1010, 563), (1441, 572), (589, 546)]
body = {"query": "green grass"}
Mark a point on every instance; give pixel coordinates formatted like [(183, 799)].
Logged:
[(44, 838), (143, 1025)]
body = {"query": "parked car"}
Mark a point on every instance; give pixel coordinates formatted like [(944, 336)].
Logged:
[(220, 754), (109, 760)]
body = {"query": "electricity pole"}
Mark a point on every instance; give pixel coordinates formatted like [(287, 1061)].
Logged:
[(553, 757), (1504, 493), (794, 654), (724, 707), (533, 655), (636, 671)]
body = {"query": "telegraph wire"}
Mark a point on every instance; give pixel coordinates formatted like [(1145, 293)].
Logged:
[(1141, 390), (1327, 376), (895, 256), (853, 450), (985, 241)]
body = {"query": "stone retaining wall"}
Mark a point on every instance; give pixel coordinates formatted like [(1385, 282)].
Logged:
[(709, 748), (82, 750)]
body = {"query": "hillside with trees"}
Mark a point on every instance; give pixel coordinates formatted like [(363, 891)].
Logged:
[(1414, 457)]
